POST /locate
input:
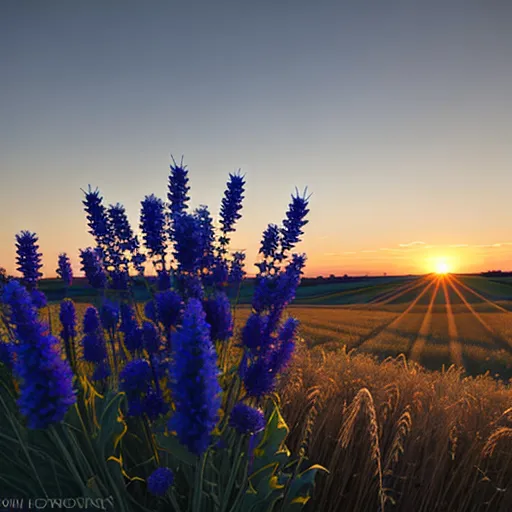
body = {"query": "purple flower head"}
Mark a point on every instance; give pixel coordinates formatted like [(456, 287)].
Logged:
[(270, 241), (124, 239), (191, 286), (160, 481), (109, 314), (94, 349), (258, 378), (178, 189), (206, 236), (102, 371), (219, 273), (67, 317), (91, 321), (154, 405), (236, 271), (253, 332), (246, 419), (28, 258), (119, 280), (64, 270), (121, 228), (135, 405), (218, 315), (282, 353), (169, 308), (97, 218), (194, 381), (151, 338), (294, 222), (152, 225), (133, 339), (128, 320), (38, 299), (135, 377), (188, 242), (92, 268), (231, 204), (45, 379)]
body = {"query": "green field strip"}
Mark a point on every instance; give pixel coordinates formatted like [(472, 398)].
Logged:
[(491, 289), (501, 342)]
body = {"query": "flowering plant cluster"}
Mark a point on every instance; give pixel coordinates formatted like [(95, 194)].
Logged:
[(171, 369)]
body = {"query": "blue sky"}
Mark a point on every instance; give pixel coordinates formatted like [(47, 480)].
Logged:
[(396, 115)]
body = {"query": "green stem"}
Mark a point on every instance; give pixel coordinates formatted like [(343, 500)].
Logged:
[(232, 477), (198, 485)]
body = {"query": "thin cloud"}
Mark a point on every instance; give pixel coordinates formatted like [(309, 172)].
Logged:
[(458, 245), (412, 244)]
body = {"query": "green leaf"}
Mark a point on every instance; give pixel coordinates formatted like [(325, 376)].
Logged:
[(300, 489), (170, 444)]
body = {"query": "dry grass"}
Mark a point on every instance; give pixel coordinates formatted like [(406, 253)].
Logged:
[(398, 437)]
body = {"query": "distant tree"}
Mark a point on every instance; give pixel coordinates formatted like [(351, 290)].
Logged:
[(332, 277)]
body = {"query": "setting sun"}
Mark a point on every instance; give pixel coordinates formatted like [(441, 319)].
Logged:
[(442, 267)]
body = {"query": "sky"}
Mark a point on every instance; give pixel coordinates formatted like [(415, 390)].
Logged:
[(396, 115)]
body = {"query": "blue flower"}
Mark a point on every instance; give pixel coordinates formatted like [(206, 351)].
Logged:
[(253, 332), (206, 236), (151, 338), (154, 405), (109, 314), (133, 339), (93, 268), (91, 321), (102, 371), (128, 321), (67, 317), (294, 222), (246, 419), (169, 308), (152, 225), (123, 240), (94, 349), (178, 189), (119, 279), (97, 218), (258, 378), (191, 286), (232, 202), (282, 353), (38, 299), (160, 481), (194, 381), (28, 258), (64, 270), (188, 242), (236, 271), (218, 315), (135, 377), (46, 381), (270, 241)]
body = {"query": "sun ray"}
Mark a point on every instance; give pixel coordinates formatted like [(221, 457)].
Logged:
[(453, 335), (419, 343)]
